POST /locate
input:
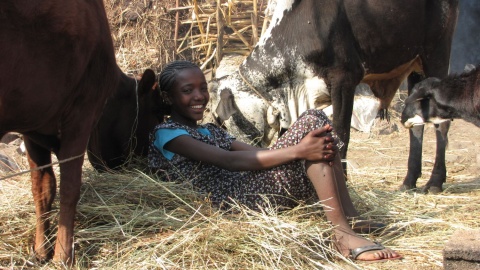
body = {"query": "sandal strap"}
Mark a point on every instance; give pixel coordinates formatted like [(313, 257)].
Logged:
[(357, 251)]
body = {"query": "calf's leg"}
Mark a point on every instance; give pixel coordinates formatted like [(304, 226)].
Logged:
[(439, 172), (414, 158)]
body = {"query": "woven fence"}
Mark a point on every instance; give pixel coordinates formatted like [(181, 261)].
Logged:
[(212, 29)]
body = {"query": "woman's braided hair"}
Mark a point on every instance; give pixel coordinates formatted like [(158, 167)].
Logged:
[(168, 76)]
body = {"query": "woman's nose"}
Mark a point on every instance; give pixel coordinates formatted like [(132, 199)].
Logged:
[(198, 95)]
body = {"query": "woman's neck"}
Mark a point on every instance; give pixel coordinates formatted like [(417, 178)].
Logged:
[(184, 121)]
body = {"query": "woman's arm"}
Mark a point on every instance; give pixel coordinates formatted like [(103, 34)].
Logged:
[(316, 146), (241, 146)]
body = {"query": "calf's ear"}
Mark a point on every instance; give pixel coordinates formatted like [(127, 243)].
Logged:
[(423, 89), (417, 94), (147, 82), (226, 106)]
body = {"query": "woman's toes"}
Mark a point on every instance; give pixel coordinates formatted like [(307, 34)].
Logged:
[(377, 255)]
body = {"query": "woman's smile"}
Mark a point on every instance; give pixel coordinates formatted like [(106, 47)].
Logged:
[(198, 106)]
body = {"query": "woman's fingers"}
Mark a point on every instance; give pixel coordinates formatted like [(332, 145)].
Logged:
[(322, 146), (319, 132)]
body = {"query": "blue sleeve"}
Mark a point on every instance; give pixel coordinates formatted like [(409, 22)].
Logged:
[(163, 136)]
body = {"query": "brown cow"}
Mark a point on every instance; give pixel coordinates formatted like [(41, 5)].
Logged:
[(57, 69)]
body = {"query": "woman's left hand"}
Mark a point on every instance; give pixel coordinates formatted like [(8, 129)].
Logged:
[(320, 145)]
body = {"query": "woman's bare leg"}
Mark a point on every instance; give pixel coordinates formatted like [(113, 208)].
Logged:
[(322, 176), (345, 199)]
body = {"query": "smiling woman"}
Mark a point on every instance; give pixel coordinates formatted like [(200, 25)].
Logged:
[(303, 165), (189, 103)]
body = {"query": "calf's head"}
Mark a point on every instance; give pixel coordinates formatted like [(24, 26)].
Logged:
[(426, 104)]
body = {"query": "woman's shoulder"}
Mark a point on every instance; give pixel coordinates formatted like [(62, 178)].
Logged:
[(219, 132), (169, 124), (212, 127)]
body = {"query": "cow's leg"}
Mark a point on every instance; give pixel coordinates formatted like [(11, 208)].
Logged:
[(414, 158), (43, 189), (69, 195), (439, 172), (70, 182), (342, 92), (71, 157)]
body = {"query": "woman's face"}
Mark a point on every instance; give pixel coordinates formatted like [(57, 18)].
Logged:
[(189, 96)]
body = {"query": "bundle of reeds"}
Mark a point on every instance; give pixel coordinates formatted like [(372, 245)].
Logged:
[(220, 27)]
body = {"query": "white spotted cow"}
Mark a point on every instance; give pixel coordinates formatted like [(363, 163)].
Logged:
[(314, 53)]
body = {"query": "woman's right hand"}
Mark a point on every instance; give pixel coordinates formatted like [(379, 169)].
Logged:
[(319, 145)]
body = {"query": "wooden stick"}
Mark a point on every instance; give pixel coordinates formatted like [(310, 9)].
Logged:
[(202, 67), (181, 44), (177, 18), (199, 22), (241, 37), (255, 23), (177, 8), (220, 33)]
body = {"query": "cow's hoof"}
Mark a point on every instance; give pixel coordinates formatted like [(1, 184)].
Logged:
[(432, 190), (404, 187), (40, 259)]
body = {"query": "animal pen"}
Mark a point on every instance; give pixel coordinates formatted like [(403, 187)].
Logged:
[(217, 28)]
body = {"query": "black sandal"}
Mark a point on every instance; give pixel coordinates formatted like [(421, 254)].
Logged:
[(354, 253)]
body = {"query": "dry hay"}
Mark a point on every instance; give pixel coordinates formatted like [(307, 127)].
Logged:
[(152, 33), (132, 220), (142, 33)]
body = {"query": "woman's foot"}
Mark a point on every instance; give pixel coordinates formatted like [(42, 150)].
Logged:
[(361, 249), (384, 253)]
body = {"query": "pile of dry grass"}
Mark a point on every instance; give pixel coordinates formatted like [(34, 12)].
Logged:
[(142, 33), (132, 220)]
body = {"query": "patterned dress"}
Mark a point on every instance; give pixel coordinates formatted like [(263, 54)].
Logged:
[(283, 186)]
